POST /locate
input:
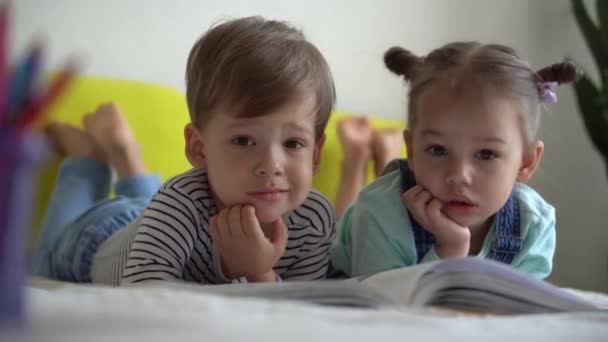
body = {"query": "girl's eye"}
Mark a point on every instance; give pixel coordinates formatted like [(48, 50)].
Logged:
[(437, 150), (485, 155), (243, 141), (294, 144)]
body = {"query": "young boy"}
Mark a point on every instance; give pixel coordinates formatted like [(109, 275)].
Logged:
[(259, 97)]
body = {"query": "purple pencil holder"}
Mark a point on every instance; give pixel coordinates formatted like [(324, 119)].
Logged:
[(20, 154)]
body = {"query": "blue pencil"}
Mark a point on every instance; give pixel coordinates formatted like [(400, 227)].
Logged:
[(22, 81)]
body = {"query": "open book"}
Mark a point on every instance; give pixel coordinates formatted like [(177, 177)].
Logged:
[(464, 284)]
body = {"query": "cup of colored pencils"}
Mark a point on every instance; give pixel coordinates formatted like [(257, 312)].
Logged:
[(25, 96)]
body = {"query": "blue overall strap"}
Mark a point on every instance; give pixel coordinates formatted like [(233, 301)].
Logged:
[(508, 233), (423, 239)]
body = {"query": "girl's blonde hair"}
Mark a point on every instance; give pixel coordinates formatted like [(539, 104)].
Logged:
[(496, 69)]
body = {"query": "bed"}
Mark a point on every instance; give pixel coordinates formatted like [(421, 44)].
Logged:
[(69, 312)]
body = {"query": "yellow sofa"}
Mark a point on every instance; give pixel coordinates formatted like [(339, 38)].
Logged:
[(157, 115)]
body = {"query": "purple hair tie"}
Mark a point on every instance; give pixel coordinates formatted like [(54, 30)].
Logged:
[(547, 92)]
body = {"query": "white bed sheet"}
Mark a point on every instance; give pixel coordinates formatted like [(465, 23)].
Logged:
[(59, 312)]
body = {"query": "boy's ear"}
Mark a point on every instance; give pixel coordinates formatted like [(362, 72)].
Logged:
[(316, 158), (530, 161), (407, 138), (194, 146)]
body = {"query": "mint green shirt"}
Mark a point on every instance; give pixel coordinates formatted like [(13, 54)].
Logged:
[(375, 233)]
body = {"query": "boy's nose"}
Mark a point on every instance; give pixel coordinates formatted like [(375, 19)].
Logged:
[(270, 163), (273, 169)]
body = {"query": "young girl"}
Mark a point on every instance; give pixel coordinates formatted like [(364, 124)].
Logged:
[(259, 96), (474, 113)]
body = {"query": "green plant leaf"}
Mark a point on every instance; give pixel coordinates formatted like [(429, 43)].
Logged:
[(602, 14), (593, 114), (592, 35)]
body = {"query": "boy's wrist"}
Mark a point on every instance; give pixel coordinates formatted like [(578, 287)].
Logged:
[(267, 277)]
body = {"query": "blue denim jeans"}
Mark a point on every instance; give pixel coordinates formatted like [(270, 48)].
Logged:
[(80, 216)]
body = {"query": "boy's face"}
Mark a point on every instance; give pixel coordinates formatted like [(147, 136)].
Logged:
[(469, 154), (266, 161)]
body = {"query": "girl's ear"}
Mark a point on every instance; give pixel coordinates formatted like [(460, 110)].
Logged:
[(194, 146), (530, 161)]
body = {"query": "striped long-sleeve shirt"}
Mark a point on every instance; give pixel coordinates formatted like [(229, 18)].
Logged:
[(172, 240)]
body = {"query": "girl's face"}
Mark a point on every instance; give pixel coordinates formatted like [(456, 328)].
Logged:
[(469, 151)]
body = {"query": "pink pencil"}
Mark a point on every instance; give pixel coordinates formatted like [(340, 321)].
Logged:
[(3, 61)]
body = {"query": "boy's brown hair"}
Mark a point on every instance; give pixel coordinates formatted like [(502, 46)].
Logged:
[(253, 66)]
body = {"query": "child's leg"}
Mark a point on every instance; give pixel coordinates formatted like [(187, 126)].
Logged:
[(111, 132), (71, 256), (355, 136), (386, 146), (83, 180), (77, 249)]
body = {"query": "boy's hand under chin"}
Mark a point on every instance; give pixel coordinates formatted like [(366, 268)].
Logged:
[(452, 239), (243, 248)]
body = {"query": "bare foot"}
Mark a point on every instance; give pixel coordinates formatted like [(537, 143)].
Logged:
[(386, 146), (71, 140), (110, 130), (355, 134)]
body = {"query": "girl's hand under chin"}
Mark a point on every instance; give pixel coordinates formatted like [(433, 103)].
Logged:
[(452, 239)]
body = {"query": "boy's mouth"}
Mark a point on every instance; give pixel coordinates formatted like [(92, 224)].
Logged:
[(268, 194)]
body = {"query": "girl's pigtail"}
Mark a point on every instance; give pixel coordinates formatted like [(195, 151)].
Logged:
[(402, 62)]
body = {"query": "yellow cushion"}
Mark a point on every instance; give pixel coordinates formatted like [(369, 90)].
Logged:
[(157, 115)]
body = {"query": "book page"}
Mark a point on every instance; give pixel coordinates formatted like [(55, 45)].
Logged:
[(399, 284), (492, 287)]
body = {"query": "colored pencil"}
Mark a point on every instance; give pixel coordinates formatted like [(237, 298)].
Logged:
[(38, 107)]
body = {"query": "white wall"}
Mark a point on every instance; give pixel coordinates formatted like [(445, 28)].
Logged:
[(150, 40)]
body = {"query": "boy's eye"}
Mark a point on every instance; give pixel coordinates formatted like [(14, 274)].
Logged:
[(294, 144), (243, 141), (437, 150), (485, 155)]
